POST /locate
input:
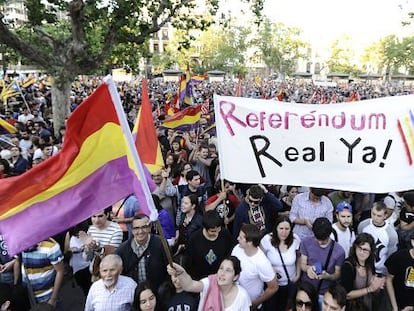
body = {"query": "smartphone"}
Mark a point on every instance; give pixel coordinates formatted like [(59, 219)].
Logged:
[(318, 268)]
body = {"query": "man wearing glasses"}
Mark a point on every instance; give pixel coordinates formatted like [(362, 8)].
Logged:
[(143, 255), (258, 208)]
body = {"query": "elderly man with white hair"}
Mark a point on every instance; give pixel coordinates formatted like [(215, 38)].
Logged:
[(113, 291)]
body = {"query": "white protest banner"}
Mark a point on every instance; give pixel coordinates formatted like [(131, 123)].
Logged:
[(365, 146)]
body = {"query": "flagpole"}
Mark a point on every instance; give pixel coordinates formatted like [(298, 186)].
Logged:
[(137, 162), (24, 99)]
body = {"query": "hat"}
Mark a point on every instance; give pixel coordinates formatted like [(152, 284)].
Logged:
[(344, 205), (389, 201)]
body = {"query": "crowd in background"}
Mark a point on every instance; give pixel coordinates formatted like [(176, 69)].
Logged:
[(241, 246)]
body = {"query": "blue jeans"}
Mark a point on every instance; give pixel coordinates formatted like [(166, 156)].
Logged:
[(7, 277)]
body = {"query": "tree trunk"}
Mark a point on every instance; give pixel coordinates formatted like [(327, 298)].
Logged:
[(61, 87)]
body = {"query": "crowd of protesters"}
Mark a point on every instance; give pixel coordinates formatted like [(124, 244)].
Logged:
[(234, 246)]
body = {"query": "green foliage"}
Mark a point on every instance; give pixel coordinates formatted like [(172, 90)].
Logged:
[(396, 53), (372, 59), (218, 48), (279, 46), (80, 36), (342, 57)]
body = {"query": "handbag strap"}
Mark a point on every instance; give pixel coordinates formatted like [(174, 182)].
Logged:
[(328, 258), (283, 263), (122, 204)]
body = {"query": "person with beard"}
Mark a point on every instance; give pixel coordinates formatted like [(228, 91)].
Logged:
[(308, 206), (342, 229), (113, 291)]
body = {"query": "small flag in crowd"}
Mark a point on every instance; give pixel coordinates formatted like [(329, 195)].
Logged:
[(334, 98), (28, 82), (205, 106), (6, 127), (146, 140), (197, 79), (354, 97), (188, 116), (97, 166), (9, 91), (185, 88)]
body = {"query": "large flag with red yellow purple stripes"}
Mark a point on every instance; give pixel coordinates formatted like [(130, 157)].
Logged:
[(95, 168)]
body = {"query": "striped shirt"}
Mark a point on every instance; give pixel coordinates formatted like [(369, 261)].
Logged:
[(304, 208), (118, 299), (38, 267), (111, 235)]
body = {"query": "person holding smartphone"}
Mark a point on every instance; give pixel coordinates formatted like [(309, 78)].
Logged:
[(321, 257)]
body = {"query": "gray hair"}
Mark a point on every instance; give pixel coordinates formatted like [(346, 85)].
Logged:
[(114, 258)]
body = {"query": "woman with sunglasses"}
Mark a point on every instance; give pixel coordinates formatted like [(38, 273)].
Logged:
[(304, 298), (358, 274), (281, 247)]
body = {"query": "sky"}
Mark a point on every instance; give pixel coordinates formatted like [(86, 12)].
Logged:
[(364, 20)]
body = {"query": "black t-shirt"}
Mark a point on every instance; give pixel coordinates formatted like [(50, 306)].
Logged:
[(406, 216), (401, 265), (205, 256), (182, 302)]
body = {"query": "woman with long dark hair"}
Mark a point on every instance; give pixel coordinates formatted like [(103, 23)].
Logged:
[(305, 297), (145, 298), (281, 247), (190, 222), (358, 274)]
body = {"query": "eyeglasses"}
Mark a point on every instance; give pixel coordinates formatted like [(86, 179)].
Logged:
[(300, 303), (364, 250), (145, 227), (255, 202)]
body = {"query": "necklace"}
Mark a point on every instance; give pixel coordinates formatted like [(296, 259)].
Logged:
[(360, 266)]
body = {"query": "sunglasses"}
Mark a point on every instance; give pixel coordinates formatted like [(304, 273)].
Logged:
[(300, 303)]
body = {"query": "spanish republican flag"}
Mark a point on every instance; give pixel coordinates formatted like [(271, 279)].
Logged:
[(146, 140), (6, 127), (97, 166), (188, 116)]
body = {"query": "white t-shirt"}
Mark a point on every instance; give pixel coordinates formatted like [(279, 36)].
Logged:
[(345, 238), (386, 240), (38, 154), (256, 270), (241, 302), (77, 262), (289, 258)]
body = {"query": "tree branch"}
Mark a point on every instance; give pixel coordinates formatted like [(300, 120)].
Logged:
[(111, 38), (45, 37), (77, 17), (13, 41)]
